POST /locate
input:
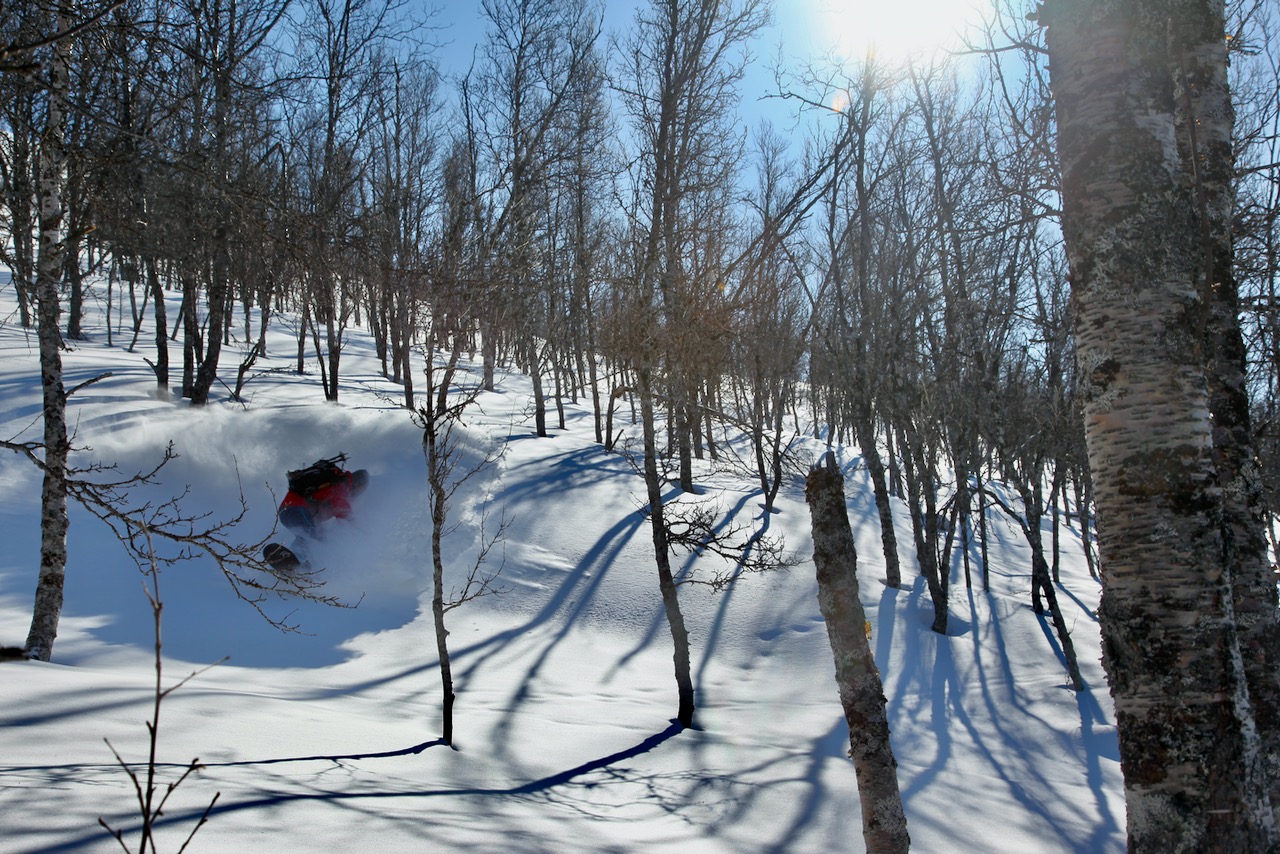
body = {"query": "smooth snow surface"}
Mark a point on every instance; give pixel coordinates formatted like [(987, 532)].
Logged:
[(328, 739)]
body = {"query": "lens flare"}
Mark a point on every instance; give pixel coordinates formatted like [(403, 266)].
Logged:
[(891, 31)]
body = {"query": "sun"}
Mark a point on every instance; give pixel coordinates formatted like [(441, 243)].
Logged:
[(889, 30)]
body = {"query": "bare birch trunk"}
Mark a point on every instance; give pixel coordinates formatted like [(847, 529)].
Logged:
[(880, 488), (884, 824), (1208, 146), (662, 556), (436, 483), (49, 268), (1135, 224)]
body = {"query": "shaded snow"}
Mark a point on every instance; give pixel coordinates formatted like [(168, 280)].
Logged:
[(328, 739)]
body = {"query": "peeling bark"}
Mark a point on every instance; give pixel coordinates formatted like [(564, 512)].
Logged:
[(1134, 217)]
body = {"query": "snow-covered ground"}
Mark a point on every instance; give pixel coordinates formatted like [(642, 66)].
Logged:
[(328, 739)]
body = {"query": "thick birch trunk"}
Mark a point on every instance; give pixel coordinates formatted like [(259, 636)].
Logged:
[(884, 824), (1133, 205), (1204, 94)]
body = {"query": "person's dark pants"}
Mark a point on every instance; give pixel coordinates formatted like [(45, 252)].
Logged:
[(298, 520)]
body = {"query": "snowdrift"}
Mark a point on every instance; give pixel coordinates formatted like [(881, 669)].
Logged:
[(328, 737)]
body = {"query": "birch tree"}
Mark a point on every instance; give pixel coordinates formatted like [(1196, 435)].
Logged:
[(527, 89), (884, 823), (346, 42), (1144, 124), (49, 268), (682, 64)]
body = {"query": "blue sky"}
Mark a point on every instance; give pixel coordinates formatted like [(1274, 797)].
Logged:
[(801, 29), (463, 27)]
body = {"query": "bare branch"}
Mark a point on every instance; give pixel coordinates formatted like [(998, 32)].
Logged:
[(695, 528), (88, 383), (191, 535), (15, 49)]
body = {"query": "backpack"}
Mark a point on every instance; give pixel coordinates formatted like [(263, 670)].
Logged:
[(306, 481)]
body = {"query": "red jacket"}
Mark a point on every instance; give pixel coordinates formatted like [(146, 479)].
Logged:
[(332, 499)]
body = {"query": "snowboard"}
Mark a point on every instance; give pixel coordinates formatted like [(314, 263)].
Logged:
[(280, 558)]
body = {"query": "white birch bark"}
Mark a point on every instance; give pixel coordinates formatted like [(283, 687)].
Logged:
[(53, 499), (1135, 245), (884, 823)]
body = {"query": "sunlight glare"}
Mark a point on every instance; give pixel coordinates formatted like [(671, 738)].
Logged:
[(892, 30)]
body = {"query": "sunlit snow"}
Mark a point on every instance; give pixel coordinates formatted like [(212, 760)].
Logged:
[(327, 739)]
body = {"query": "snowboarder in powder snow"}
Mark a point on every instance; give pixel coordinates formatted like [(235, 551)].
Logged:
[(317, 493)]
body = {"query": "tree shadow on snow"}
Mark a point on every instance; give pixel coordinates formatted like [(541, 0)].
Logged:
[(929, 699), (272, 803)]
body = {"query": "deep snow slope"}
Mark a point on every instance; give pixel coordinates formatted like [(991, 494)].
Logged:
[(327, 738)]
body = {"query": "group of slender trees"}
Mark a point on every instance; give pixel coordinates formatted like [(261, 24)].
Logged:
[(888, 272)]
